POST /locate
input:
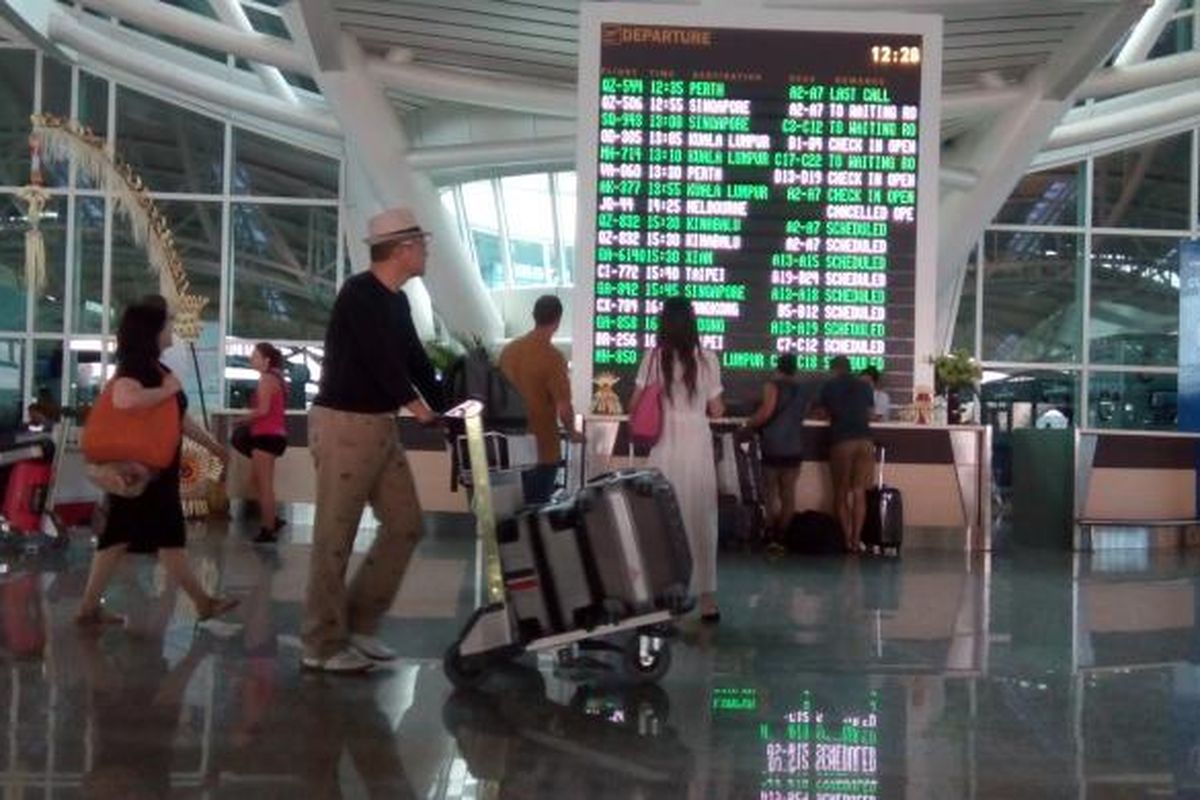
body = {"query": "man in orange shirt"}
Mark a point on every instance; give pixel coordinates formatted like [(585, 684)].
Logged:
[(539, 373)]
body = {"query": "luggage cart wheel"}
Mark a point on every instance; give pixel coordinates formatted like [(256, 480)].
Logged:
[(645, 659), (464, 673)]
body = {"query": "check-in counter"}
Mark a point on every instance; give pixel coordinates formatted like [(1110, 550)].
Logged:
[(295, 479), (943, 472), (1135, 488)]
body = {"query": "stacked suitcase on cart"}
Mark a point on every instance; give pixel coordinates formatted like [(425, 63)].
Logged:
[(615, 550), (607, 567)]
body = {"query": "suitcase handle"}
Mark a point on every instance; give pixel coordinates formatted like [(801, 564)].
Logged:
[(880, 460)]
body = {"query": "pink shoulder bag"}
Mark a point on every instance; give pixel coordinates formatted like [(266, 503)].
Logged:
[(646, 418)]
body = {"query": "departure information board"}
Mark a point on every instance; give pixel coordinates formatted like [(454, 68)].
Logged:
[(779, 179)]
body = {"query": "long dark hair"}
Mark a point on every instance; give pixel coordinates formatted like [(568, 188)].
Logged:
[(271, 353), (678, 339), (138, 349)]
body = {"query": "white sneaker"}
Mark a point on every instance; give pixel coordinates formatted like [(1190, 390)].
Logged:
[(346, 662), (372, 648)]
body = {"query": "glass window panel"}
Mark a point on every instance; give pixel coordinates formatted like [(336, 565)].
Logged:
[(16, 104), (47, 371), (1048, 197), (93, 114), (530, 219), (264, 166), (564, 207), (284, 270), (302, 368), (56, 100), (197, 230), (56, 88), (86, 377), (89, 265), (48, 309), (1013, 399), (270, 24), (1135, 300), (171, 148), (490, 256), (1177, 37), (12, 372), (1147, 187), (93, 102), (1133, 400), (12, 263), (1033, 290), (964, 324), (483, 222)]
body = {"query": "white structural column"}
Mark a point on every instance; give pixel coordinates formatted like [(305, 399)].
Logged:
[(1001, 150), (232, 14), (1143, 36), (377, 150)]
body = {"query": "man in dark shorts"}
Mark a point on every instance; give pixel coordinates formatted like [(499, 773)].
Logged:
[(848, 401)]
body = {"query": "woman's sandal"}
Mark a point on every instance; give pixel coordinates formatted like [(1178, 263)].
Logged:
[(98, 618), (215, 607)]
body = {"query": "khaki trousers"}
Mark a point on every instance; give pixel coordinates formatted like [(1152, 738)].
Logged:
[(358, 460)]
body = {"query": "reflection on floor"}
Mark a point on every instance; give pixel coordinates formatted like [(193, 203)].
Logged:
[(929, 677)]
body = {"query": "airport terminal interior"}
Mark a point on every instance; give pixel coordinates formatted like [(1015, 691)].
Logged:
[(996, 204)]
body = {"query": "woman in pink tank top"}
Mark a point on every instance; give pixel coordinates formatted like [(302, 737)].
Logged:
[(267, 438)]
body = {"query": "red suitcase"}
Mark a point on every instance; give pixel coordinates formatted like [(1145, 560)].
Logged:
[(25, 495)]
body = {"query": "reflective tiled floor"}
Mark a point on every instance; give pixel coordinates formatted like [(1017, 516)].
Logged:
[(1040, 676)]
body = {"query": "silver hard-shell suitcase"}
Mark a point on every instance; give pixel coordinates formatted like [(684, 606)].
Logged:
[(524, 576), (576, 597), (636, 537)]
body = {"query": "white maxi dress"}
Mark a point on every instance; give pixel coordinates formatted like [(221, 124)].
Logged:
[(684, 453)]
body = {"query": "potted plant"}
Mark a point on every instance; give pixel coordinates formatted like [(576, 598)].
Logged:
[(955, 373)]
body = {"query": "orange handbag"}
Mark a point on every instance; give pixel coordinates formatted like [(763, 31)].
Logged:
[(148, 436)]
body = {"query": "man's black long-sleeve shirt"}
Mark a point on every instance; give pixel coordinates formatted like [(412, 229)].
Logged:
[(374, 360)]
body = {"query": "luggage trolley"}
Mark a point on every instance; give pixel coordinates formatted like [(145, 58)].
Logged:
[(490, 637), (30, 464)]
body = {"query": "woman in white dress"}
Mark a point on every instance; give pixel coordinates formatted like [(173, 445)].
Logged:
[(691, 382)]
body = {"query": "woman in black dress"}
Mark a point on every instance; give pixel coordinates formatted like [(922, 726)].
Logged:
[(152, 522)]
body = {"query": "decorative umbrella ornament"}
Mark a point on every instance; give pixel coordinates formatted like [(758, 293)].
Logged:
[(35, 197), (62, 140)]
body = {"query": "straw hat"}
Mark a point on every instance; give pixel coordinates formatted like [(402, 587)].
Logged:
[(395, 223)]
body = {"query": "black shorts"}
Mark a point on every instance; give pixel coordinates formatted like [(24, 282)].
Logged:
[(247, 444), (275, 445)]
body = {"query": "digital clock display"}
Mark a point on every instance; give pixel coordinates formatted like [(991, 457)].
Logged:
[(773, 177), (905, 55)]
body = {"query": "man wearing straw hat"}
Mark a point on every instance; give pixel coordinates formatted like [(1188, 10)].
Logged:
[(374, 364)]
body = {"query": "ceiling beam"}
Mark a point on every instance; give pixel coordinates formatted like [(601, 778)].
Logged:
[(66, 29), (199, 30)]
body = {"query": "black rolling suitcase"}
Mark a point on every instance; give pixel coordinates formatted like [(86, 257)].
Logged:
[(741, 517), (883, 527)]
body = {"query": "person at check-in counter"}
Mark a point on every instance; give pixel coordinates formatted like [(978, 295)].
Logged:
[(883, 404), (848, 402), (780, 422)]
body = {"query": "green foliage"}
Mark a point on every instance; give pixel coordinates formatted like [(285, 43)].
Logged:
[(442, 354), (956, 370)]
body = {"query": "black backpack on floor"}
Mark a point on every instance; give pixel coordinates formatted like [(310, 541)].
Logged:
[(813, 533)]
